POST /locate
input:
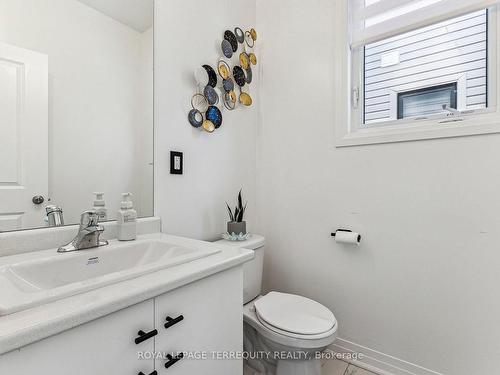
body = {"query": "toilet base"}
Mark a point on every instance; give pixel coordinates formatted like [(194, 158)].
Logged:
[(303, 363), (294, 367), (273, 353)]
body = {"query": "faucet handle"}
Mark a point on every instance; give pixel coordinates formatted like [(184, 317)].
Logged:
[(89, 219)]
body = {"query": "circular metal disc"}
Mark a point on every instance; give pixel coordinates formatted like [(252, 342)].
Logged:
[(214, 115), (211, 95), (212, 76), (228, 84), (227, 48), (231, 38), (232, 94), (199, 102), (195, 118), (224, 69), (253, 34), (249, 75), (208, 126), (239, 76), (249, 40), (246, 99), (229, 103), (201, 76), (240, 35), (244, 60), (252, 58)]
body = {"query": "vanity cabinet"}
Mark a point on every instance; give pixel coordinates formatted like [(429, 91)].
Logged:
[(103, 346), (203, 320), (211, 327)]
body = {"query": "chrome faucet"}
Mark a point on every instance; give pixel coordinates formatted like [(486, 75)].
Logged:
[(55, 217), (88, 235)]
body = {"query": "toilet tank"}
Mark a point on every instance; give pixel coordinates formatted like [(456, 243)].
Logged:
[(252, 270)]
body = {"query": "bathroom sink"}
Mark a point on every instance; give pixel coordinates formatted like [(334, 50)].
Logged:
[(35, 282)]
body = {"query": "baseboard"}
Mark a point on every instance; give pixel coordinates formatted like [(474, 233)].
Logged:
[(378, 362)]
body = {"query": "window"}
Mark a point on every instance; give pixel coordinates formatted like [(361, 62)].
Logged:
[(419, 69), (428, 101), (423, 65)]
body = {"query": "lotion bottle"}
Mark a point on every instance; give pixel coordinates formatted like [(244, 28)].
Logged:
[(127, 219), (100, 206)]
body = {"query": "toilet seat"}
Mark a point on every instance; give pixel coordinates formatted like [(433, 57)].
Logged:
[(296, 335), (295, 316), (287, 340)]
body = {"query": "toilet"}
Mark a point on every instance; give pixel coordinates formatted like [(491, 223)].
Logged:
[(283, 333)]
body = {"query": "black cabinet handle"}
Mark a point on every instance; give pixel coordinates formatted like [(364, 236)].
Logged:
[(173, 360), (153, 373), (143, 336), (171, 321)]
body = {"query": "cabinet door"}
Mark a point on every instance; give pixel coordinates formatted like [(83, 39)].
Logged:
[(102, 347), (212, 325)]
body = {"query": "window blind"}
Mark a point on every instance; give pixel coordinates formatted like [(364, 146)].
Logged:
[(374, 20)]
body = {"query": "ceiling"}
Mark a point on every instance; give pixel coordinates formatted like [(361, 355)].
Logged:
[(138, 14)]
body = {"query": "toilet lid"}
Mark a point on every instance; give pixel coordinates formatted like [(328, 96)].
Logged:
[(295, 314)]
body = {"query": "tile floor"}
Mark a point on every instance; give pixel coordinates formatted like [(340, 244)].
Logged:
[(332, 367), (336, 367)]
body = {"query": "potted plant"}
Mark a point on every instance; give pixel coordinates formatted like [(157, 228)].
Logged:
[(236, 225)]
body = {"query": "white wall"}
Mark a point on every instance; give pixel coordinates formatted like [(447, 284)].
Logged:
[(94, 64), (423, 286), (188, 34)]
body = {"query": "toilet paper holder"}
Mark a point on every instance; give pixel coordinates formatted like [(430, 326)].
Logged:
[(334, 234)]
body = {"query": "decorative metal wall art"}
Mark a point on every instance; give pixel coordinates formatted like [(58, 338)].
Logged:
[(213, 95)]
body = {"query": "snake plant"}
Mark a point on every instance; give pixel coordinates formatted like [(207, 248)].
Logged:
[(239, 211)]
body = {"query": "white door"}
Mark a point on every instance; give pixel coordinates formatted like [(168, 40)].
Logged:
[(23, 137)]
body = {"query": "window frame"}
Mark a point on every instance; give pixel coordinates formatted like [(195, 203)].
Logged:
[(350, 128), (447, 86)]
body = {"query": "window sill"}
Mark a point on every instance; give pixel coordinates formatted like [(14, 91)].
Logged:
[(477, 125)]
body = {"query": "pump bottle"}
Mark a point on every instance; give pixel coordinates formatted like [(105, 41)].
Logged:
[(127, 219)]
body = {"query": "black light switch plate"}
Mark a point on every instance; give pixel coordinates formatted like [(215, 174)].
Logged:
[(176, 162)]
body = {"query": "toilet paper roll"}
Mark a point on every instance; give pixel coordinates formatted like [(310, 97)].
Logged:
[(342, 236)]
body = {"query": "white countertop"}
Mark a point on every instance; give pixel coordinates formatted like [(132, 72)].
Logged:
[(28, 326)]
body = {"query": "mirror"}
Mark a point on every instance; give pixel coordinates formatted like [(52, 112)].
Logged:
[(76, 109)]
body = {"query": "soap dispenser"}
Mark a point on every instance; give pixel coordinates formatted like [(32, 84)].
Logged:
[(100, 206), (127, 219)]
